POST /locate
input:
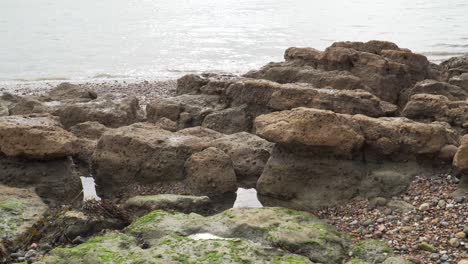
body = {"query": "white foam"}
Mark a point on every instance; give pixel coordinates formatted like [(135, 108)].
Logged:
[(89, 189)]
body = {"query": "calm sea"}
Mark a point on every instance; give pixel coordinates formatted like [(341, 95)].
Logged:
[(83, 39)]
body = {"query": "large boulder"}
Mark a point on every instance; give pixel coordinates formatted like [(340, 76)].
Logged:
[(211, 172), (87, 133), (455, 66), (20, 210), (35, 137), (142, 153), (323, 158), (294, 231), (68, 91)]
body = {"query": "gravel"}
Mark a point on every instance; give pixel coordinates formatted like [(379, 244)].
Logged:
[(431, 223)]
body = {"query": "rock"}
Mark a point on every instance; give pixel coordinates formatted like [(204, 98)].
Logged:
[(452, 92), (144, 154), (377, 201), (310, 127), (109, 110), (427, 247), (35, 137), (460, 235), (53, 180), (68, 91), (20, 209), (371, 251), (88, 134), (141, 205), (186, 110), (249, 154), (291, 230), (69, 225), (190, 84), (455, 66), (383, 73), (441, 204), (228, 121), (211, 172), (463, 261), (460, 81), (4, 110), (400, 205), (23, 105), (429, 108), (170, 249), (424, 207), (448, 152), (454, 242), (460, 161)]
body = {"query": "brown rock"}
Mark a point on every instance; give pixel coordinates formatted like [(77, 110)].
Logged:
[(35, 137), (211, 172)]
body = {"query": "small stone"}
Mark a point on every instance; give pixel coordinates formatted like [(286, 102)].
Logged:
[(441, 204), (444, 257), (449, 206), (454, 242), (78, 240), (435, 256), (380, 220), (427, 247), (459, 199), (31, 253), (353, 222), (424, 207), (463, 261), (460, 235), (33, 246)]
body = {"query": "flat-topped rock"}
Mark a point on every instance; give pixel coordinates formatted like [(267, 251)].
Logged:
[(452, 92), (35, 137), (144, 204)]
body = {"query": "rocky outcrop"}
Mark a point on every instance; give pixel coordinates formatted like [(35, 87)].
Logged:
[(378, 67), (460, 80), (322, 158), (68, 91), (146, 154), (35, 137), (455, 66), (20, 209), (87, 133), (460, 161), (298, 232)]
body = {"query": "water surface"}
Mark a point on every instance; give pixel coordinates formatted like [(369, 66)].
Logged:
[(69, 39)]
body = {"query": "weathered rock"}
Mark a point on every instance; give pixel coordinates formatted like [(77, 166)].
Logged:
[(108, 110), (211, 172), (20, 209), (142, 153), (310, 127), (68, 91), (460, 81), (53, 180), (229, 121), (249, 154), (323, 158), (35, 137), (170, 249), (455, 66), (4, 110), (190, 84), (396, 260), (298, 232), (460, 161), (371, 251), (381, 72), (87, 134), (141, 205), (452, 92), (186, 110), (429, 108), (24, 105)]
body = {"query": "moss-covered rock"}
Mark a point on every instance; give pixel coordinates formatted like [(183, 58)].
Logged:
[(298, 232), (20, 209), (120, 248), (370, 251)]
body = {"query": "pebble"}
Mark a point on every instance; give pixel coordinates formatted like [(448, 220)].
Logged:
[(424, 207), (460, 235), (441, 204), (449, 206), (31, 253), (454, 242)]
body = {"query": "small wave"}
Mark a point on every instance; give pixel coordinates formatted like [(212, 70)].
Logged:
[(51, 78), (443, 53), (451, 45), (109, 76)]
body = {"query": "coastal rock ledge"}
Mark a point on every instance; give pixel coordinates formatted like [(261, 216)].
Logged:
[(358, 124)]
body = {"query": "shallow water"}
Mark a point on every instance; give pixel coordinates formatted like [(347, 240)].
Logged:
[(51, 39)]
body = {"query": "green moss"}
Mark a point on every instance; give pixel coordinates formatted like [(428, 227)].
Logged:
[(427, 247)]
